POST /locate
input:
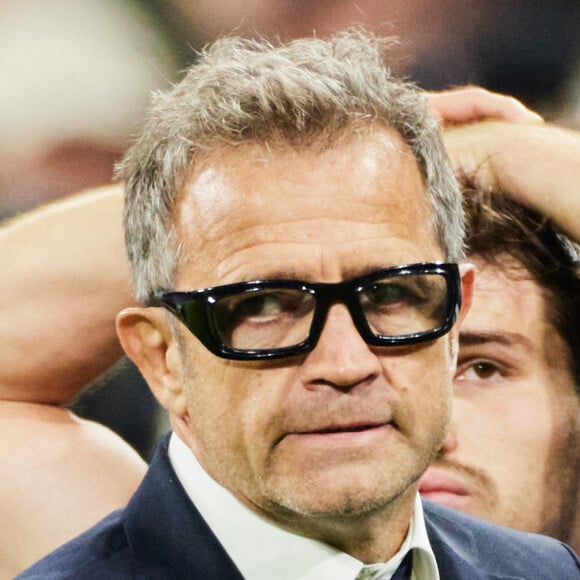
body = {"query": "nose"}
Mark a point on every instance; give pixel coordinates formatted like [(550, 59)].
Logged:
[(341, 358), (451, 440), (450, 443)]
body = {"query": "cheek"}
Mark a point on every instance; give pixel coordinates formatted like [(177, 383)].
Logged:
[(523, 423), (505, 433), (234, 407), (215, 402), (424, 382)]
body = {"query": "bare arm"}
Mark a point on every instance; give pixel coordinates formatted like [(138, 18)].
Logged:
[(537, 164), (60, 475), (64, 278)]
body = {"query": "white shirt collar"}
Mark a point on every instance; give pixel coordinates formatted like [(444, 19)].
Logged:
[(275, 552)]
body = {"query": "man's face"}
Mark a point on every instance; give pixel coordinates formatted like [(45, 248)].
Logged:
[(512, 452), (346, 428)]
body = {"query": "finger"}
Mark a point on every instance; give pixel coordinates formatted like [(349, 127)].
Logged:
[(470, 104)]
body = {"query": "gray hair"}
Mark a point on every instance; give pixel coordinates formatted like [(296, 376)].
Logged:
[(304, 92)]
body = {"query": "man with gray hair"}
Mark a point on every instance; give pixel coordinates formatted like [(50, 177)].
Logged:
[(295, 232)]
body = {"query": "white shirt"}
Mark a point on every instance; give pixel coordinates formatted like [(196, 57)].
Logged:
[(262, 550)]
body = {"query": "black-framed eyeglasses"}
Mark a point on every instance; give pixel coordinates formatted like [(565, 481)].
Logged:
[(270, 319)]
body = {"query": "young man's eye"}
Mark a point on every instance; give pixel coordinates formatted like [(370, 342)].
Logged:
[(478, 371)]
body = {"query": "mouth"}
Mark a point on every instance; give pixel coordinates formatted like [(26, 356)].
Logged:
[(356, 428), (354, 434), (444, 488)]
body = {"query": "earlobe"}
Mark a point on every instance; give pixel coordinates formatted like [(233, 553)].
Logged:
[(148, 341)]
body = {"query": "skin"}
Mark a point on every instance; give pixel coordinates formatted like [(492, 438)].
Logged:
[(258, 428), (59, 303), (470, 104), (512, 454), (60, 475)]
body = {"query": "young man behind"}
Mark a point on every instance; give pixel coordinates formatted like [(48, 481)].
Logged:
[(513, 450)]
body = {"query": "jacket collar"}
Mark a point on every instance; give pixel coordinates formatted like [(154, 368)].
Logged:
[(455, 548)]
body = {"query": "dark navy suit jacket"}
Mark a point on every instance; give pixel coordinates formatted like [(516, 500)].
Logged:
[(161, 536)]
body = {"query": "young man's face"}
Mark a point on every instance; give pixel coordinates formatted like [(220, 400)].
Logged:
[(346, 429), (512, 452)]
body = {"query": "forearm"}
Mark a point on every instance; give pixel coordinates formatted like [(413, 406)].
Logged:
[(64, 278), (537, 164)]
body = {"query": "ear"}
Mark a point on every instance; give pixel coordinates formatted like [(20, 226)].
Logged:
[(148, 341), (467, 272)]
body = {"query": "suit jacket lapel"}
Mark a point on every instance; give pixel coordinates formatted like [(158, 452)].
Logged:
[(167, 535), (456, 552)]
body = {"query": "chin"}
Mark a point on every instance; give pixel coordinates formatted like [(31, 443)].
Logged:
[(335, 499)]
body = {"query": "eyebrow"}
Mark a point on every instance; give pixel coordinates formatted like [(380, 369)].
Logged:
[(277, 274), (474, 338), (285, 273)]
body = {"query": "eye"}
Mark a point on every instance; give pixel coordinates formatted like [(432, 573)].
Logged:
[(383, 294), (258, 306), (481, 370), (263, 305)]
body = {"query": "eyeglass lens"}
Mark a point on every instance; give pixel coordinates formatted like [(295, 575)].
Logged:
[(393, 306)]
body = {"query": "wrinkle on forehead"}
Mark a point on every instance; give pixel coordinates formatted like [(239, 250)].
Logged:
[(238, 199), (215, 188)]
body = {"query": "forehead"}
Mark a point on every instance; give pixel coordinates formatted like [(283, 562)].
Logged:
[(508, 302), (507, 279), (248, 211)]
